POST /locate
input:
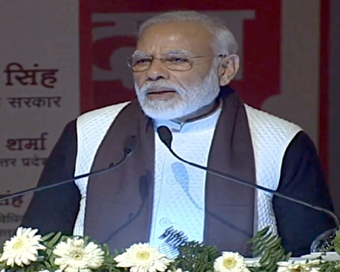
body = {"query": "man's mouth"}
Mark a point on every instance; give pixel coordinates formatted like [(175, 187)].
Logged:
[(161, 91), (161, 94)]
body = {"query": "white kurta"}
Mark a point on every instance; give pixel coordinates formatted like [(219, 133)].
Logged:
[(179, 192)]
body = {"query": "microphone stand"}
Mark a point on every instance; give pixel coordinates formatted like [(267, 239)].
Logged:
[(255, 186), (129, 147)]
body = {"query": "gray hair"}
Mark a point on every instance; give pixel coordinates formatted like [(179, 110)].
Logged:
[(225, 42)]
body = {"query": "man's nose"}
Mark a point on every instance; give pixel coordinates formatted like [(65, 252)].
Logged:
[(157, 71)]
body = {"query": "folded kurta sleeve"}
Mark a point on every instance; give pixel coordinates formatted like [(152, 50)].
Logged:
[(56, 209), (302, 178)]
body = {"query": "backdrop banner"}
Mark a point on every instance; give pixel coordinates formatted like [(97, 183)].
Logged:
[(57, 55), (39, 93)]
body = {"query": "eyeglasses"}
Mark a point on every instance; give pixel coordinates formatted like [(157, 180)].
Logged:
[(172, 62)]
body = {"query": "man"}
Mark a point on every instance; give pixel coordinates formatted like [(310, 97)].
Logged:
[(182, 67)]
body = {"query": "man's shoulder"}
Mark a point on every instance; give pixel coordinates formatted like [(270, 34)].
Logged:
[(104, 112), (261, 120), (269, 132), (98, 120)]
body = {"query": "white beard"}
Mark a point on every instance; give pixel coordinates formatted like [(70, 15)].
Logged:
[(189, 100)]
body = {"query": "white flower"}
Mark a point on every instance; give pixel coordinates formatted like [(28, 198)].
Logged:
[(230, 262), (177, 270), (303, 266), (143, 258), (22, 249), (75, 257)]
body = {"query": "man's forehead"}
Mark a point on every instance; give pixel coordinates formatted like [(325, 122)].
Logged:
[(175, 36), (173, 51)]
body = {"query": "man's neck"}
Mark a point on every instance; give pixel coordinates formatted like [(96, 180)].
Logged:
[(199, 114)]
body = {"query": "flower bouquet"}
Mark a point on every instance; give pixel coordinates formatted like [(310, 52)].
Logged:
[(27, 251)]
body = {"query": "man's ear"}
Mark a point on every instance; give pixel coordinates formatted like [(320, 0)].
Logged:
[(228, 68)]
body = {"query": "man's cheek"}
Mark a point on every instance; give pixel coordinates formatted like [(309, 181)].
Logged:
[(188, 83), (138, 81)]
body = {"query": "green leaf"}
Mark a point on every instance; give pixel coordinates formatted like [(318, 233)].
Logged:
[(267, 245), (47, 236), (54, 240), (106, 249), (337, 242)]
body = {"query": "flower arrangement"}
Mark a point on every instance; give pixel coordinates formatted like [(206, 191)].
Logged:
[(27, 251)]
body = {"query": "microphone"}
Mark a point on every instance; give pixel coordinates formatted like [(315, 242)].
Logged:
[(129, 146), (166, 137)]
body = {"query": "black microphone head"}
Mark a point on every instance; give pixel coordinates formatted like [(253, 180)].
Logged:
[(130, 145), (165, 135)]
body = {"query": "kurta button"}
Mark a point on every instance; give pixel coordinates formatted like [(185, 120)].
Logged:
[(165, 222), (171, 180)]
